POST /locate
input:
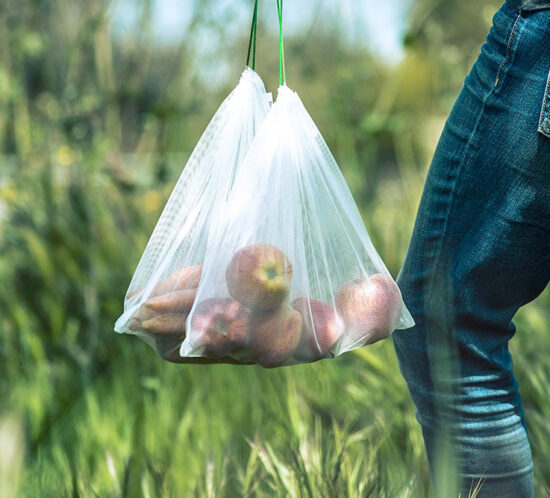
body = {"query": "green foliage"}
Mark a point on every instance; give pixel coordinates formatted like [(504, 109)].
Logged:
[(93, 134)]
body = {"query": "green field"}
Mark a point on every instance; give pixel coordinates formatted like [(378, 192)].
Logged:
[(94, 131)]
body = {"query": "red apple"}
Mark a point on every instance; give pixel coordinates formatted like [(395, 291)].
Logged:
[(259, 277), (274, 335), (370, 307), (322, 328), (222, 325)]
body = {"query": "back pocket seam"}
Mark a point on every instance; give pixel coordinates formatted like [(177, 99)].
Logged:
[(510, 49)]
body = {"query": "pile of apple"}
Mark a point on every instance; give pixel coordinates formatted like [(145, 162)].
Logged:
[(257, 321)]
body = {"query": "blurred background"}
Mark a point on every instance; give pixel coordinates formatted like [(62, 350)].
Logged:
[(101, 103)]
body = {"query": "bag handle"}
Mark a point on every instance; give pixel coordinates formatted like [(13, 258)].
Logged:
[(252, 40), (282, 74)]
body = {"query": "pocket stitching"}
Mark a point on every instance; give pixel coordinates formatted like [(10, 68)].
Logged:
[(509, 50)]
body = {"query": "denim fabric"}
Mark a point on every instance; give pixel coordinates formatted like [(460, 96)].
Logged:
[(479, 251), (528, 5)]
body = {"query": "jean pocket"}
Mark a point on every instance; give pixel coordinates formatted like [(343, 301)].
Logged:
[(544, 123)]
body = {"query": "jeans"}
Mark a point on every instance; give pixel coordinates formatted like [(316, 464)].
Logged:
[(480, 250)]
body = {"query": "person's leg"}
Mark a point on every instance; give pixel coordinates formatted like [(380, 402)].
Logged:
[(480, 250)]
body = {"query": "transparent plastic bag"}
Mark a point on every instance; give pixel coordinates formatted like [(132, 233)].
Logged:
[(165, 282), (290, 274)]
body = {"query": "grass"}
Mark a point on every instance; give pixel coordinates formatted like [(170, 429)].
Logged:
[(93, 134), (336, 428), (102, 416), (332, 429)]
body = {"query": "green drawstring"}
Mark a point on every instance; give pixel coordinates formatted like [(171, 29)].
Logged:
[(253, 37), (282, 74)]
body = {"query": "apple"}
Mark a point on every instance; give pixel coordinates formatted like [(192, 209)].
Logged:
[(222, 325), (322, 328), (259, 277), (274, 335), (370, 307), (167, 345)]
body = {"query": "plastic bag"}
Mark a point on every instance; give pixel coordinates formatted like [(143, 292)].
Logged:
[(260, 255), (164, 285), (290, 274)]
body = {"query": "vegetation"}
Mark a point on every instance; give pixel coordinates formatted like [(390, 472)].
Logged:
[(94, 130)]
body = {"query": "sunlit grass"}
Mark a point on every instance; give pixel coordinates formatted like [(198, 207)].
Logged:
[(140, 427), (92, 138)]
